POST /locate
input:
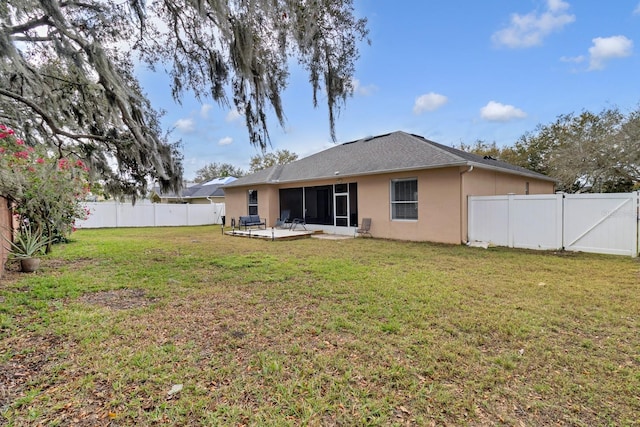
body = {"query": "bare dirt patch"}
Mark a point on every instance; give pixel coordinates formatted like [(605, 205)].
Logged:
[(31, 355), (119, 299)]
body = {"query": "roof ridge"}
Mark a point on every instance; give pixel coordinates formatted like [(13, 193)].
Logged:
[(439, 146), (275, 173)]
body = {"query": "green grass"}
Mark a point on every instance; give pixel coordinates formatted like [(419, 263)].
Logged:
[(317, 332)]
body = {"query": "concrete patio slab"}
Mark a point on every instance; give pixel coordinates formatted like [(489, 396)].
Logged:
[(273, 233)]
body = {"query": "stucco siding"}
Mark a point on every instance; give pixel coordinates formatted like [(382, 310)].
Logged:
[(237, 202), (438, 206)]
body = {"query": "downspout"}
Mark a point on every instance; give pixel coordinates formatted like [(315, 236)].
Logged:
[(463, 238)]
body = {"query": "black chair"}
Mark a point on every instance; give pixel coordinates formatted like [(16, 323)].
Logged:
[(299, 221)]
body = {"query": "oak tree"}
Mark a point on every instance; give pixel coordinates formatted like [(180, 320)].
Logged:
[(67, 71), (266, 160), (217, 170)]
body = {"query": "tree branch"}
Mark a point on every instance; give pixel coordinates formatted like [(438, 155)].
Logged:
[(27, 39), (48, 120), (43, 20)]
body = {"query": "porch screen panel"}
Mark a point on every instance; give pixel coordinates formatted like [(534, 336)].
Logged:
[(404, 199), (291, 200), (319, 204), (353, 204)]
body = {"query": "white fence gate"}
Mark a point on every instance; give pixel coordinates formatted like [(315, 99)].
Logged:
[(600, 223), (115, 214)]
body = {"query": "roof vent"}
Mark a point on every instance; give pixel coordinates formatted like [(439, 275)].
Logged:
[(489, 158)]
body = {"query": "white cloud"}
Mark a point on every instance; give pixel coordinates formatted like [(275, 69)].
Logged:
[(359, 89), (574, 59), (606, 48), (185, 125), (530, 29), (497, 112), (204, 110), (429, 102), (225, 141), (232, 116)]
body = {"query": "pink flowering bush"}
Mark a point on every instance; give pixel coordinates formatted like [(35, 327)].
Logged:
[(48, 191)]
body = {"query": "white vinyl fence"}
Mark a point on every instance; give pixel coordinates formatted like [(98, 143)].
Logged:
[(144, 214), (600, 223)]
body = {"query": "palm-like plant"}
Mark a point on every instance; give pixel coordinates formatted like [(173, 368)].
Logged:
[(28, 243)]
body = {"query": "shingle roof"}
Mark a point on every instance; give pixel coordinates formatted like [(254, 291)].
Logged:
[(393, 152)]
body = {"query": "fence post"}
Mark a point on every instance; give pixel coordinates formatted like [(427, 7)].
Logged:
[(511, 240), (559, 221), (155, 214)]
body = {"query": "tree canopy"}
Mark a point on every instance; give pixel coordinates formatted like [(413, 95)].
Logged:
[(597, 152), (266, 160), (217, 170), (67, 72)]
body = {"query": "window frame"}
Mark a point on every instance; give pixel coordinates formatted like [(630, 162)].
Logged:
[(393, 202), (250, 205)]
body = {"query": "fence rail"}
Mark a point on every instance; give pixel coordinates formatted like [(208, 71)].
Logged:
[(115, 214), (600, 223)]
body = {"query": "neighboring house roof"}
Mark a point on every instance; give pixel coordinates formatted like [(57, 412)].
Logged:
[(393, 152), (201, 190)]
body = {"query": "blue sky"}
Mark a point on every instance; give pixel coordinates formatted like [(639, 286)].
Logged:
[(454, 71)]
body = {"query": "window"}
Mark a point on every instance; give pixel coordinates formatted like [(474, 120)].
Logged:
[(253, 202), (404, 199)]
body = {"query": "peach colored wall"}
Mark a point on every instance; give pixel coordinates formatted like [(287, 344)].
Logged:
[(438, 206), (442, 200), (5, 233), (237, 202)]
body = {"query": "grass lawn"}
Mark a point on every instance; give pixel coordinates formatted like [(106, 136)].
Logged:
[(184, 326)]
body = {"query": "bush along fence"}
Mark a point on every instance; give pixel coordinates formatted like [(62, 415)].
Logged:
[(599, 223)]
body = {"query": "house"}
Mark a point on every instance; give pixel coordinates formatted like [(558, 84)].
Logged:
[(200, 193), (411, 188)]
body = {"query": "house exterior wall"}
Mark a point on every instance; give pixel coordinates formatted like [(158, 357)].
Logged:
[(442, 200), (438, 206), (237, 202), (6, 224)]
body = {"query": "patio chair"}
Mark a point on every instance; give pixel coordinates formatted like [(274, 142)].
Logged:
[(365, 227), (283, 221), (302, 222)]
